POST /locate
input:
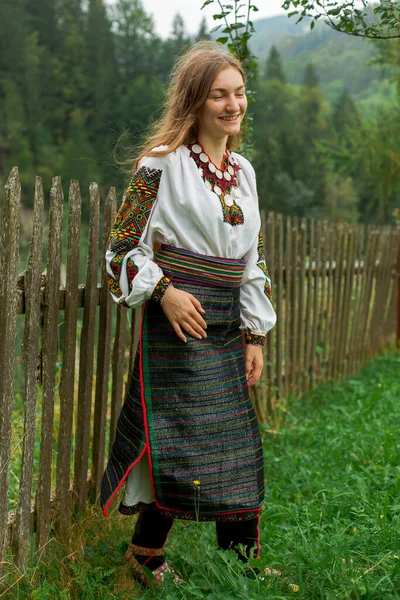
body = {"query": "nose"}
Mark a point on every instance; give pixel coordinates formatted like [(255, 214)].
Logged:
[(233, 105)]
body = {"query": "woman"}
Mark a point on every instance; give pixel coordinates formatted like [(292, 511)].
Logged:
[(186, 245)]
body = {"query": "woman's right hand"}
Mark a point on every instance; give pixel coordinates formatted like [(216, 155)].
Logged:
[(183, 311)]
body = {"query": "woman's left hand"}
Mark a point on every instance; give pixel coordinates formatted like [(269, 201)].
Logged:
[(254, 363)]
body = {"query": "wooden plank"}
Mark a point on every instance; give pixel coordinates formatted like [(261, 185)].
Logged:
[(21, 298), (294, 309), (390, 277), (324, 310), (301, 300), (118, 371), (316, 255), (279, 304), (307, 350), (269, 354), (67, 384), (376, 290), (340, 234), (382, 279), (362, 245), (330, 301), (103, 359), (366, 305), (398, 290), (391, 316), (8, 320), (348, 285), (340, 298), (288, 279), (86, 359), (49, 360), (23, 519)]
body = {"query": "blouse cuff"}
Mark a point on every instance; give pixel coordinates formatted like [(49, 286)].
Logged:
[(255, 339), (160, 289)]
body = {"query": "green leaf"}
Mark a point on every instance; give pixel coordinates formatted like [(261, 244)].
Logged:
[(222, 40), (312, 24), (206, 3)]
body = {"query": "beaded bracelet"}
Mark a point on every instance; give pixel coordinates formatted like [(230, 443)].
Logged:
[(255, 339), (160, 289)]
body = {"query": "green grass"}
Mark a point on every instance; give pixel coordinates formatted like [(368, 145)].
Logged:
[(331, 521)]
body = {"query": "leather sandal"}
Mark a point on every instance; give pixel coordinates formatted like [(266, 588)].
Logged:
[(159, 575)]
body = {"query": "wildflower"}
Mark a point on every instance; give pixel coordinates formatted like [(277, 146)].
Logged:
[(354, 529), (381, 516), (294, 587), (379, 385), (196, 482), (343, 560)]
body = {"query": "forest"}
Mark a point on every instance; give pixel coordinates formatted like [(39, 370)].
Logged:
[(80, 81)]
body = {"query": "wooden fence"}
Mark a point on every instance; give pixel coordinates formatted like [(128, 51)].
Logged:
[(335, 293)]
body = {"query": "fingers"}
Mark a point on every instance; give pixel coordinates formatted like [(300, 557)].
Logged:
[(183, 312), (193, 328), (196, 304), (253, 364), (179, 332)]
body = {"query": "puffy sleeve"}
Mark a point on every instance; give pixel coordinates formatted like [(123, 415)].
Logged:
[(256, 310), (133, 277)]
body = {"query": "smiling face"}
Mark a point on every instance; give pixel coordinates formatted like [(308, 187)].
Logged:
[(222, 113)]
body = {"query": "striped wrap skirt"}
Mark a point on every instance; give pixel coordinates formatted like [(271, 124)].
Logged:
[(188, 405)]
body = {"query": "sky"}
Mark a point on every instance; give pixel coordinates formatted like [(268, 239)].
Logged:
[(163, 12)]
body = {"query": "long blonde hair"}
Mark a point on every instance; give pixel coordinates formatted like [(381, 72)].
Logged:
[(190, 83)]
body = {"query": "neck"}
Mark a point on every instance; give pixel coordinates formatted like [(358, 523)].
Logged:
[(215, 147)]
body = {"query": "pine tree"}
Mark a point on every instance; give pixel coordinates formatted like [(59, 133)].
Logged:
[(345, 115), (178, 38), (134, 36), (274, 69), (310, 77), (202, 34)]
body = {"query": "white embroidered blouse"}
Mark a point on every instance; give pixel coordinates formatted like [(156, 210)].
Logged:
[(184, 200)]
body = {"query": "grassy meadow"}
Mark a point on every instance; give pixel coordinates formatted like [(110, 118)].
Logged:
[(330, 524)]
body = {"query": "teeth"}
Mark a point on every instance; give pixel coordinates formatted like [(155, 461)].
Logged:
[(230, 118)]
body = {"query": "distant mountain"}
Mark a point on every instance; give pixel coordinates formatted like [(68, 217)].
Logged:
[(341, 61)]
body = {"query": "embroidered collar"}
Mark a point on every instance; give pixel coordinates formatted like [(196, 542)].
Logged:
[(223, 182)]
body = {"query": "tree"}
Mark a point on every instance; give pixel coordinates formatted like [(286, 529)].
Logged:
[(202, 34), (310, 77), (273, 67), (381, 21), (134, 34), (345, 116)]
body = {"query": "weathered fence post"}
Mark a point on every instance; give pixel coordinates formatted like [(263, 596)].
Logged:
[(49, 358), (9, 244), (67, 384), (103, 359), (86, 358), (22, 529), (398, 290)]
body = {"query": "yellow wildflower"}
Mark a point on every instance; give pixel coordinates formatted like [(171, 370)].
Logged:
[(294, 587), (196, 482)]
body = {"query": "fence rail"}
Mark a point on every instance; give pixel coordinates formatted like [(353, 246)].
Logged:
[(336, 296)]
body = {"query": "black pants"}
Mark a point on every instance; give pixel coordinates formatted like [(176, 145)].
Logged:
[(152, 529)]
